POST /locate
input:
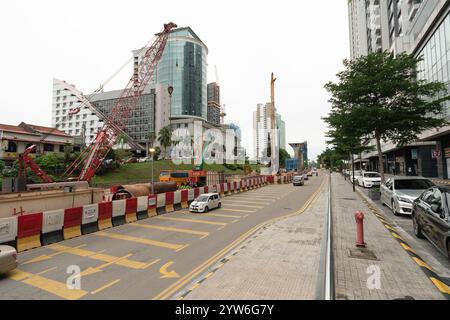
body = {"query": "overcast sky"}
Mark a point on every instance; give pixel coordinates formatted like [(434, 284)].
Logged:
[(85, 41)]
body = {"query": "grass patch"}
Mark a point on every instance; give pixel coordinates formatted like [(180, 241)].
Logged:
[(142, 172)]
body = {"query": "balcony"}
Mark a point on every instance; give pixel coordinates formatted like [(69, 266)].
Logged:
[(414, 6)]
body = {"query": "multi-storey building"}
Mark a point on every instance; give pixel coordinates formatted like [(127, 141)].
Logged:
[(76, 119), (422, 28), (262, 127)]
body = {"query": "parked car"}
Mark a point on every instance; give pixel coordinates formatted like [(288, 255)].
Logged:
[(358, 173), (8, 259), (206, 202), (305, 176), (369, 179), (145, 159), (399, 193), (298, 181), (431, 217)]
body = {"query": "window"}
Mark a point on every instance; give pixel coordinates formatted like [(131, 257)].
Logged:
[(61, 148), (12, 147), (48, 147)]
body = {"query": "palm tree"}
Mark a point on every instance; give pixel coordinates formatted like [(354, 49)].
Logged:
[(165, 138)]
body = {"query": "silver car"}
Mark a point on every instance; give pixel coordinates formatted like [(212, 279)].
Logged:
[(399, 193), (298, 181), (8, 259)]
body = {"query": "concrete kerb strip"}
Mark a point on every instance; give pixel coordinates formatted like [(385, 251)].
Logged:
[(438, 282)]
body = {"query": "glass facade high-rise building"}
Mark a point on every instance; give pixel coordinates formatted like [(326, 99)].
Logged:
[(183, 66)]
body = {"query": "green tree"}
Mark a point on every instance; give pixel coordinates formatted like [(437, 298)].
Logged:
[(381, 98), (165, 137), (283, 156)]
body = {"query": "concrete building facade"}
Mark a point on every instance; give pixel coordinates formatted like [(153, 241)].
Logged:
[(422, 28), (262, 125), (15, 139)]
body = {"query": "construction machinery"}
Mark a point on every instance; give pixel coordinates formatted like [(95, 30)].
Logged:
[(93, 156), (26, 161)]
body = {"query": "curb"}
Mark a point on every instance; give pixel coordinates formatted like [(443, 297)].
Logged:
[(438, 282)]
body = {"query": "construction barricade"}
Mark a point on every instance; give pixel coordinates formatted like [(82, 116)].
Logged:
[(152, 200), (169, 202), (131, 210), (177, 200), (191, 196), (185, 198), (89, 223), (8, 231), (142, 208), (72, 222), (161, 203), (118, 212), (105, 215), (29, 227), (52, 226)]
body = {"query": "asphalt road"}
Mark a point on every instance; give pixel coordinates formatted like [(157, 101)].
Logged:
[(153, 258), (423, 247)]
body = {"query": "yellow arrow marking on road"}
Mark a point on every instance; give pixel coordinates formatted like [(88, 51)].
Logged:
[(441, 286), (165, 274), (100, 268)]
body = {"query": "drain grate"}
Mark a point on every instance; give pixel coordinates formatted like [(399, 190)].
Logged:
[(362, 254), (349, 199)]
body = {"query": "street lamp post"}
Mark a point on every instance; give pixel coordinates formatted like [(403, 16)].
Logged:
[(152, 152)]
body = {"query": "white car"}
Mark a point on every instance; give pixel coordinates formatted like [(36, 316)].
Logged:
[(399, 193), (206, 202), (8, 259), (358, 174), (369, 179)]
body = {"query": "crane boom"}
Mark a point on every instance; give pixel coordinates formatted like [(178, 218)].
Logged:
[(95, 154)]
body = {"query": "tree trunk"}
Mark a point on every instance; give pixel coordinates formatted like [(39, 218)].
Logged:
[(380, 158)]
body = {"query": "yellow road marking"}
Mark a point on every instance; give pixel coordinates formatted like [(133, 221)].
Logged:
[(237, 210), (49, 256), (100, 268), (396, 236), (243, 201), (196, 271), (441, 286), (422, 263), (148, 265), (209, 275), (172, 229), (165, 274), (99, 256), (192, 220), (221, 215), (407, 247), (195, 286), (242, 205), (57, 288), (46, 271), (105, 286), (252, 197), (389, 227), (154, 243)]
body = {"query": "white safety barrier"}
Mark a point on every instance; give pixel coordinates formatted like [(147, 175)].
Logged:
[(118, 208), (8, 229), (161, 200), (142, 204), (202, 190), (191, 195), (90, 213), (177, 197), (52, 221)]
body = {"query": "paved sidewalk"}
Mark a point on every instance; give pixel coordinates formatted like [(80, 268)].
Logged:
[(400, 276), (280, 262)]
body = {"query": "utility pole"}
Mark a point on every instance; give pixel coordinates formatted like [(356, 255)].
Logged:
[(273, 121)]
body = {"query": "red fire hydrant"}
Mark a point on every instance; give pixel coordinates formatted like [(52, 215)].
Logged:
[(359, 217)]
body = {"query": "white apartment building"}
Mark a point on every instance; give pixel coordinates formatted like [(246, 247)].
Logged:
[(262, 125)]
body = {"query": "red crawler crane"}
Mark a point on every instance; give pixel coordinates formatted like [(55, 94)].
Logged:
[(91, 158)]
